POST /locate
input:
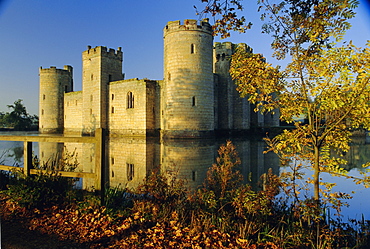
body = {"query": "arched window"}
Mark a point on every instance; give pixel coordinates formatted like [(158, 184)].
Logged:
[(130, 100)]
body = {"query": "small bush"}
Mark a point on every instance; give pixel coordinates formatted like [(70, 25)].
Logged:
[(40, 190), (4, 179)]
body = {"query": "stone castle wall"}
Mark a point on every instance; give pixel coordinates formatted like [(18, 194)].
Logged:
[(100, 66), (53, 84), (187, 95), (73, 112), (132, 109), (233, 111)]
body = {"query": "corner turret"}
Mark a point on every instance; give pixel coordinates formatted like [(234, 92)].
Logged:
[(54, 83)]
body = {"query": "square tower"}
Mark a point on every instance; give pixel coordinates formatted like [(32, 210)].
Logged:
[(100, 67)]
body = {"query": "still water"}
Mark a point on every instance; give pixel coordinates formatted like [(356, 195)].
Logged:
[(129, 160)]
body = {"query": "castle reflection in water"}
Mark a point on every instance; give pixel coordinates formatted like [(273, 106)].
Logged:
[(130, 159)]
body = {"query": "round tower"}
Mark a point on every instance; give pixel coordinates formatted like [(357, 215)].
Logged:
[(188, 89), (232, 110), (53, 84)]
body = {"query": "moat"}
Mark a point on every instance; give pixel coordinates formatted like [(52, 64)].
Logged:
[(129, 159)]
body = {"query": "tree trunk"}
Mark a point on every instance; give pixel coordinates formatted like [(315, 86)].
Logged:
[(316, 175)]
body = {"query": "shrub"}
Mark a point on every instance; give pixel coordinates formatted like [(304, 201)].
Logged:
[(40, 190), (4, 179)]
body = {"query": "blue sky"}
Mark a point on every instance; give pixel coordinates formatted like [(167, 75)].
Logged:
[(46, 33)]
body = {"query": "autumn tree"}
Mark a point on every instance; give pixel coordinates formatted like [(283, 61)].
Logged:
[(325, 79)]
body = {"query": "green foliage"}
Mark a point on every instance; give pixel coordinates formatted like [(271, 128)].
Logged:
[(39, 190), (18, 118), (4, 179), (228, 16), (223, 176), (325, 79), (161, 213), (65, 161)]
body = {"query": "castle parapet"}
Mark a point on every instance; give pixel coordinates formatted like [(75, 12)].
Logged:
[(189, 24), (245, 47), (67, 70), (232, 46), (103, 51)]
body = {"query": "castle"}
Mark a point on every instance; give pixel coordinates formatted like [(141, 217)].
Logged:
[(196, 98)]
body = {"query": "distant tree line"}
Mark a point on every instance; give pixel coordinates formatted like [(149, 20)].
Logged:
[(18, 118)]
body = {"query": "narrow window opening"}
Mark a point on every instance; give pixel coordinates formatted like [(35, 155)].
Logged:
[(193, 101), (91, 98), (130, 171), (43, 96), (76, 102), (193, 175), (223, 57), (130, 100), (112, 160), (109, 78), (66, 88), (218, 57), (169, 76), (42, 112), (92, 76), (112, 96), (112, 109), (192, 48), (112, 173), (90, 111)]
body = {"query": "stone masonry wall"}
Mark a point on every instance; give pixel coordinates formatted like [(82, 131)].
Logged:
[(100, 66), (188, 93), (53, 83), (73, 112), (136, 117)]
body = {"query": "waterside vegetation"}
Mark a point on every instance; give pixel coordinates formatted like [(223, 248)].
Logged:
[(163, 213), (18, 118), (321, 77)]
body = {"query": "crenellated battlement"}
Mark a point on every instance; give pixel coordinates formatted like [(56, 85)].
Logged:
[(231, 47), (189, 25), (66, 70), (245, 47), (103, 51)]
